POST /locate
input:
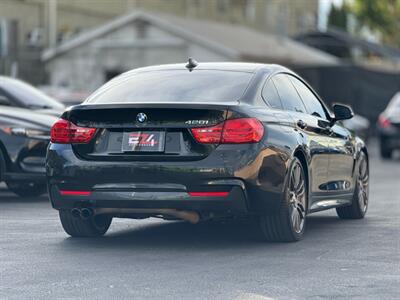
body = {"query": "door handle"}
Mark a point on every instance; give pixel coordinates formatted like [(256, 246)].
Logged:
[(301, 124)]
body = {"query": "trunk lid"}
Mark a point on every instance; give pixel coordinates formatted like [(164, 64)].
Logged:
[(168, 124)]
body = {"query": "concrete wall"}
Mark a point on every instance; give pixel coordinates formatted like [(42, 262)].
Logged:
[(85, 68)]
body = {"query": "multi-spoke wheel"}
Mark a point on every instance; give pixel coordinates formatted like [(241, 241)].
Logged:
[(359, 206), (288, 224), (297, 198)]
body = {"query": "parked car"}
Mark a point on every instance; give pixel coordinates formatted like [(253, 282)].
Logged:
[(24, 137), (359, 125), (16, 93), (389, 127), (64, 95), (205, 141)]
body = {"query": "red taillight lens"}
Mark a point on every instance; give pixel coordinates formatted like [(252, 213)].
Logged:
[(208, 194), (208, 135), (383, 122), (235, 131), (74, 193), (239, 131), (65, 132)]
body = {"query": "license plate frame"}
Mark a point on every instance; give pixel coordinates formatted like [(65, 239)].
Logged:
[(143, 141)]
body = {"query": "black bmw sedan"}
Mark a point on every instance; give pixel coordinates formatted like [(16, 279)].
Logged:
[(205, 141), (24, 137)]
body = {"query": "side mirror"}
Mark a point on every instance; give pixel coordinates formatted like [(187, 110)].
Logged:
[(4, 101), (342, 112)]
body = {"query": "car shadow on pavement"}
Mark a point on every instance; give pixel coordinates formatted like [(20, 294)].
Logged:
[(207, 235), (8, 197)]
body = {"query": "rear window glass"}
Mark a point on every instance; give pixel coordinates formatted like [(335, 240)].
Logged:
[(394, 104), (175, 86)]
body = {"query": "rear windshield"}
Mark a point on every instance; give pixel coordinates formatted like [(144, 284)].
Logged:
[(175, 86), (394, 104)]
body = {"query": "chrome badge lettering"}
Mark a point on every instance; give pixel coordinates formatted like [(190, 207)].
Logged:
[(197, 122)]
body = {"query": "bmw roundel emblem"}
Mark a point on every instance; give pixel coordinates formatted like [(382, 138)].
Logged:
[(141, 117)]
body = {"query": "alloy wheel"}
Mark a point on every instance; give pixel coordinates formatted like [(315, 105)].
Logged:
[(362, 184), (297, 198)]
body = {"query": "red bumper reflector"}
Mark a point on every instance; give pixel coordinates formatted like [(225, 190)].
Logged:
[(75, 193), (208, 194)]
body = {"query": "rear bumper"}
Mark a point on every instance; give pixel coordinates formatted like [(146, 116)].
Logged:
[(253, 176), (235, 202), (391, 141)]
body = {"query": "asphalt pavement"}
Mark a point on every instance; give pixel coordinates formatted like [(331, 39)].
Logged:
[(156, 259)]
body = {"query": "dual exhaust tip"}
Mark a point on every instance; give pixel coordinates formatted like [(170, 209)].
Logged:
[(83, 213)]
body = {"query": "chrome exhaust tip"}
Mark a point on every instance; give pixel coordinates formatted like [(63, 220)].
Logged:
[(86, 213), (76, 212)]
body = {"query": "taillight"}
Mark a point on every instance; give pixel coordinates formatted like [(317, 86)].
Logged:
[(65, 132), (383, 122), (208, 194), (235, 131), (208, 135), (74, 193)]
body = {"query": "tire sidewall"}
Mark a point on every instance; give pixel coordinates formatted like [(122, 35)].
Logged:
[(27, 189), (356, 191), (285, 201)]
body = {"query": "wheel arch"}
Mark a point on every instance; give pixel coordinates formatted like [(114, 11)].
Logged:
[(364, 149), (361, 147), (3, 162)]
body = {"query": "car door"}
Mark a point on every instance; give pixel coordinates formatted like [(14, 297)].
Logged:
[(312, 128), (342, 160), (341, 149)]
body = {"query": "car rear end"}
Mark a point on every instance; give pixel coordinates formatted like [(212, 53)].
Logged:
[(389, 128), (151, 158)]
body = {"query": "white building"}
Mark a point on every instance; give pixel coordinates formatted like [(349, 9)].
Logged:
[(140, 39)]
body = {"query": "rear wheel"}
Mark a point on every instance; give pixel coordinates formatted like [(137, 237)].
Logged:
[(27, 189), (359, 206), (77, 227), (288, 225)]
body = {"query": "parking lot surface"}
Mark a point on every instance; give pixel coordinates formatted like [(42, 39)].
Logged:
[(175, 260)]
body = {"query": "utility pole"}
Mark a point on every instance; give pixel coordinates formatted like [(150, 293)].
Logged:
[(52, 23)]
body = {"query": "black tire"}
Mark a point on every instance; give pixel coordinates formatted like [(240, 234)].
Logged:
[(77, 227), (359, 206), (386, 152), (288, 225), (27, 189)]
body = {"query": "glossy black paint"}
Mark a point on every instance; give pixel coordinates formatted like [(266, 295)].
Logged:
[(254, 174), (24, 137)]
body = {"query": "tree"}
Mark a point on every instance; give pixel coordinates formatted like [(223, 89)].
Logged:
[(338, 17), (382, 16)]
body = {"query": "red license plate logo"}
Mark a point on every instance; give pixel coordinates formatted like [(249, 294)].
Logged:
[(143, 141)]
